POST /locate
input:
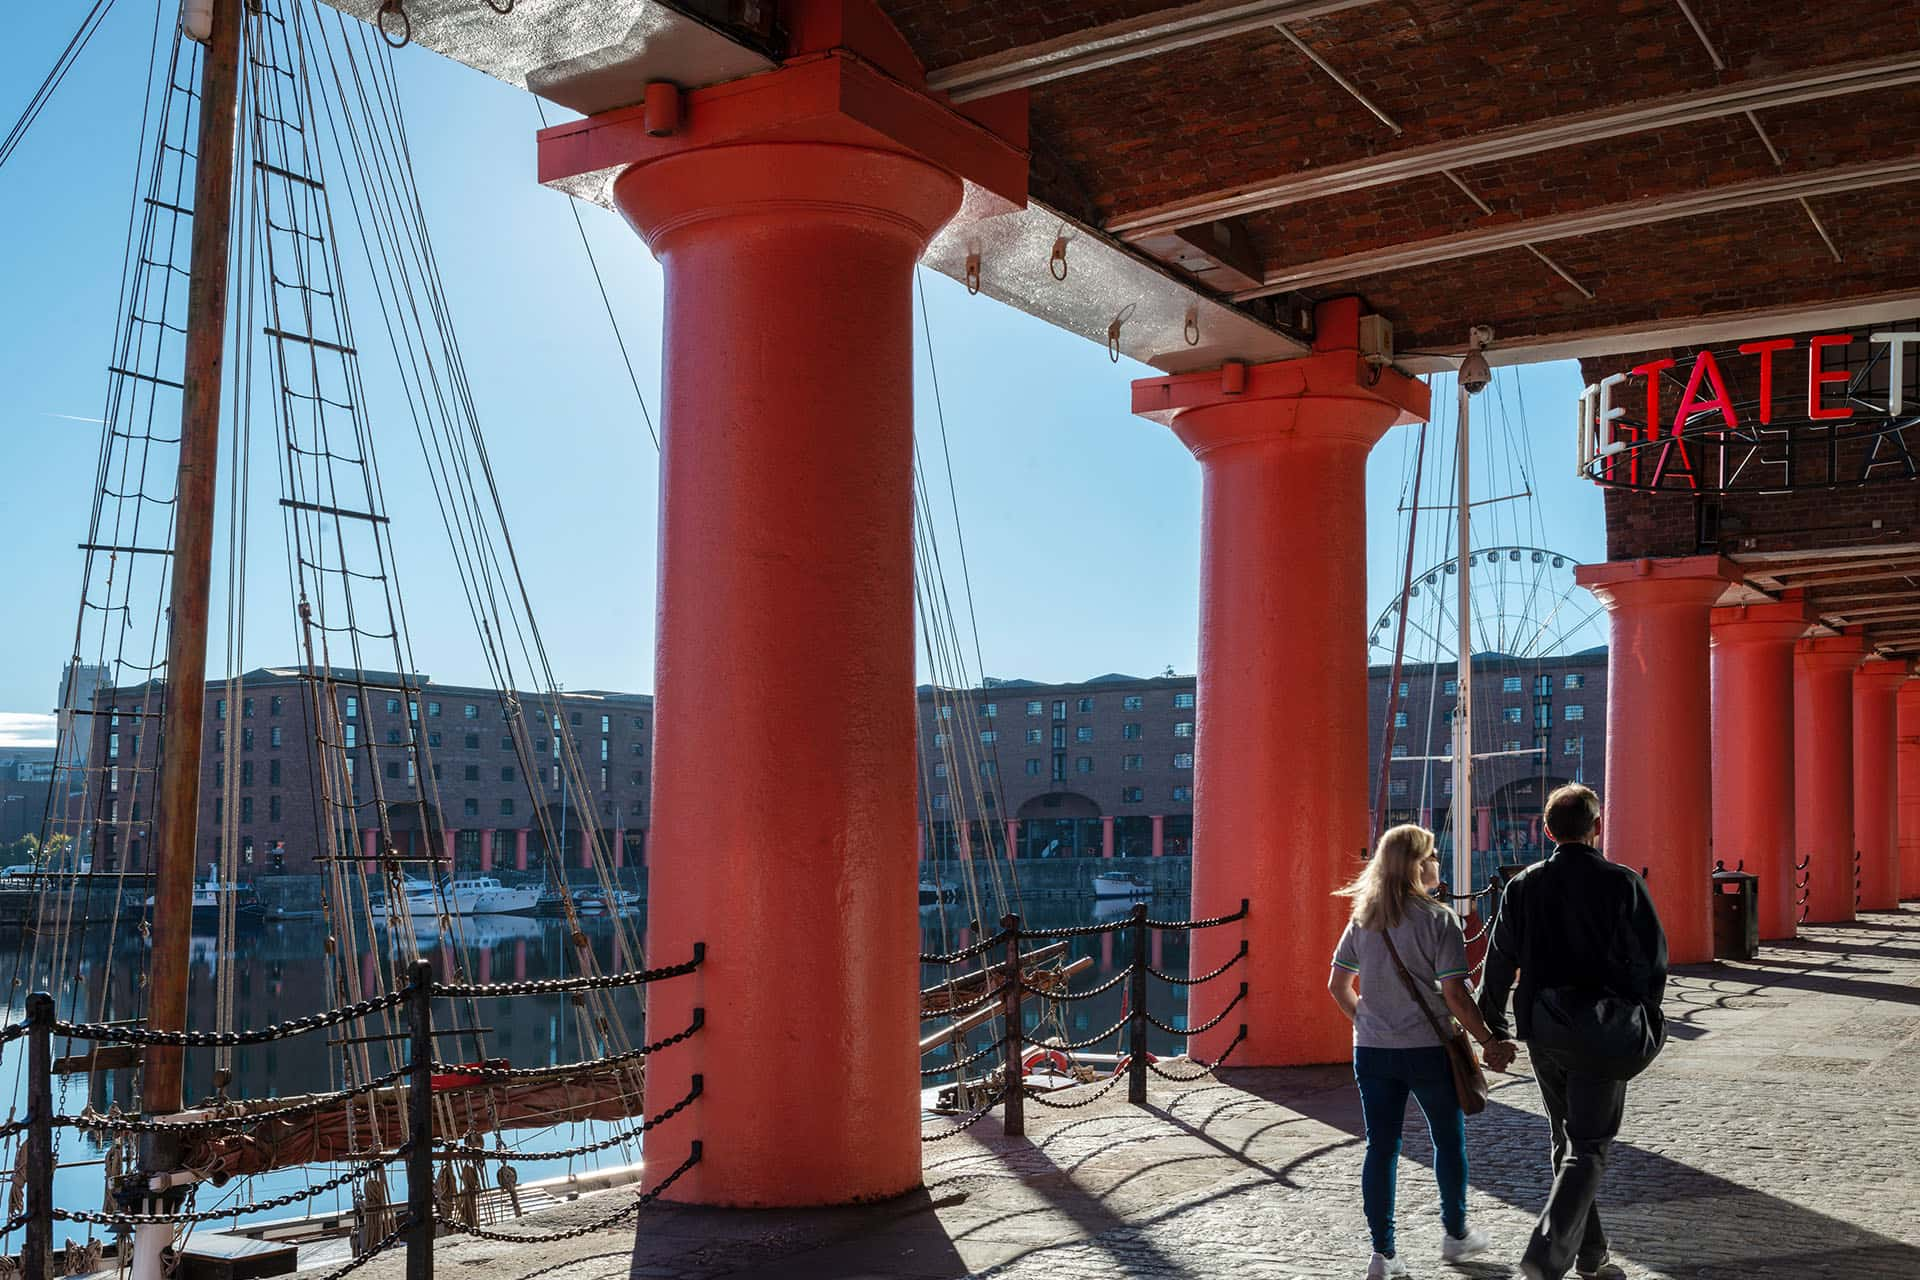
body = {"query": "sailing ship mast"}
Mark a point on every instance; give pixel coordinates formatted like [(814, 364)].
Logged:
[(1473, 377), (177, 798)]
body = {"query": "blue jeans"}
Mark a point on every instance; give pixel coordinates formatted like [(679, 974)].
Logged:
[(1386, 1077)]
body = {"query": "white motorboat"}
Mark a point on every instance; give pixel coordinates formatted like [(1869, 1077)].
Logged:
[(212, 893), (472, 896), (1120, 884)]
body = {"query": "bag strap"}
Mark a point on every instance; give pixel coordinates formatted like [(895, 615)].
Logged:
[(1413, 987)]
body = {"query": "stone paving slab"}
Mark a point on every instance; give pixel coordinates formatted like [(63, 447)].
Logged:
[(1777, 1139)]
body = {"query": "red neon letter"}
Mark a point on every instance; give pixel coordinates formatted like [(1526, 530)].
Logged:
[(1816, 375), (1765, 351), (1651, 371), (1705, 366)]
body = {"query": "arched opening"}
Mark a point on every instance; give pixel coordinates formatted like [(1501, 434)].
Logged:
[(1059, 824)]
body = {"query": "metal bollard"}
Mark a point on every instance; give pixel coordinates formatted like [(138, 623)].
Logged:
[(1137, 1012), (420, 1225), (1015, 1083), (36, 1251)]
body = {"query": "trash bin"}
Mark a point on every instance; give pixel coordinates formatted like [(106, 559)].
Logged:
[(1736, 914)]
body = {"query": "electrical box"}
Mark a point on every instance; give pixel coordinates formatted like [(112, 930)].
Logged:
[(1376, 339)]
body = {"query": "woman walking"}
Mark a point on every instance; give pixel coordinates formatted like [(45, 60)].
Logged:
[(1396, 1051)]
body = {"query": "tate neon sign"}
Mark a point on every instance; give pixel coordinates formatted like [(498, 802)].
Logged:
[(1766, 416)]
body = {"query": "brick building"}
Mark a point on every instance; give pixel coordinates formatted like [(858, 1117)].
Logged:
[(1108, 762), (491, 813)]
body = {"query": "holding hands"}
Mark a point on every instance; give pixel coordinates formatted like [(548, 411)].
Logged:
[(1499, 1054)]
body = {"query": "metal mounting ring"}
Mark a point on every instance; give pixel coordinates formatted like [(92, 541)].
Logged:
[(406, 24), (1192, 330), (503, 12), (1057, 264)]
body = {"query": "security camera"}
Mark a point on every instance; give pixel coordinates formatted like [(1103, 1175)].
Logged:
[(1474, 373)]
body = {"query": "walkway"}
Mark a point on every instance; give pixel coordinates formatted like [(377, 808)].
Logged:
[(1778, 1139)]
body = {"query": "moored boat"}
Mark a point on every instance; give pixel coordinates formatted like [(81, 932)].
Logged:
[(1120, 884)]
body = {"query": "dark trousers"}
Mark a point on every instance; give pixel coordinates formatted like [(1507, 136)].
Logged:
[(1584, 1110)]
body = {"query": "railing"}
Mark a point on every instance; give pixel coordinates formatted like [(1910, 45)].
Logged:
[(1017, 1050), (418, 1154)]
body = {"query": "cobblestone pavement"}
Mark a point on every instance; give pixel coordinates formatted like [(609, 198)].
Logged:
[(1777, 1139)]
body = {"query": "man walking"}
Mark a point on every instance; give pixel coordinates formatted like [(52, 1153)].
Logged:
[(1591, 958)]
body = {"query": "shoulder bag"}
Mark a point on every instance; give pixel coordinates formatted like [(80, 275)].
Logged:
[(1469, 1081)]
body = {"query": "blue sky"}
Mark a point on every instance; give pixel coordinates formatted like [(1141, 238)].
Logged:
[(1081, 521)]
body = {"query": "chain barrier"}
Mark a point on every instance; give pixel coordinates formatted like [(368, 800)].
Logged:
[(392, 1238), (981, 1002), (1066, 1047), (319, 1102), (115, 1033), (1206, 1068), (1238, 956), (968, 1123), (124, 1220), (479, 1072), (461, 1151), (1208, 1025), (1069, 997), (1213, 922), (561, 986), (988, 1051), (601, 1223), (979, 948), (1077, 1103)]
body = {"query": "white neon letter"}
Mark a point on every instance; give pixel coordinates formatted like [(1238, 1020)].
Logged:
[(1608, 414), (1896, 350)]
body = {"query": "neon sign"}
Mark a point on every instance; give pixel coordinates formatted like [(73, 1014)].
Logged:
[(1770, 416)]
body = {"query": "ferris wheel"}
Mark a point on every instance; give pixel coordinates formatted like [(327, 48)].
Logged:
[(1523, 606)]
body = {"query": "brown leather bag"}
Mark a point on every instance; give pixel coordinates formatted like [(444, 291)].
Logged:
[(1469, 1081)]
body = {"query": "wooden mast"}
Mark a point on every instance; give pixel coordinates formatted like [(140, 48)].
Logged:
[(177, 797)]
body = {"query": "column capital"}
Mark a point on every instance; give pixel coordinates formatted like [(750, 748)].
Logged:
[(1779, 622), (1683, 580), (1882, 675), (836, 98), (1841, 652), (1334, 395)]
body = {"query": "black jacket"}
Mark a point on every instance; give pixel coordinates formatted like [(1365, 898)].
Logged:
[(1575, 920)]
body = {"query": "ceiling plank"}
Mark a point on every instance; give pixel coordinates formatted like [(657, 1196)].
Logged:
[(1113, 43), (1521, 232), (1805, 85)]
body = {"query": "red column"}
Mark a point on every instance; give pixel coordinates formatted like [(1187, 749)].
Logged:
[(1753, 752), (1280, 776), (586, 848), (1106, 837), (1658, 808), (520, 849), (1159, 835), (1482, 826), (788, 216), (486, 849), (370, 844), (1909, 729), (1013, 839), (1823, 771), (1876, 781), (619, 848), (447, 847)]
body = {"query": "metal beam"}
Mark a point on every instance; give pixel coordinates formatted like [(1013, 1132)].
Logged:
[(1634, 213), (1759, 94), (1113, 43)]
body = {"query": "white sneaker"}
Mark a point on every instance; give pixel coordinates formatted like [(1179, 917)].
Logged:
[(1384, 1268), (1605, 1269), (1454, 1248)]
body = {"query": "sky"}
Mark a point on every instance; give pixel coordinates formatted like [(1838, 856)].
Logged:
[(1081, 522)]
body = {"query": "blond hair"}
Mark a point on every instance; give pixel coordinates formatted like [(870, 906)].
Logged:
[(1391, 879)]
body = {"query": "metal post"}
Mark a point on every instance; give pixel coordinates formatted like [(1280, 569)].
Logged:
[(1462, 807), (420, 1124), (1137, 1013), (1015, 1084), (36, 1251)]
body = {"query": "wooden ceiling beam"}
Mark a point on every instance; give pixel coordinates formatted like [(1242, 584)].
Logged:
[(1522, 232), (1710, 102), (1127, 40)]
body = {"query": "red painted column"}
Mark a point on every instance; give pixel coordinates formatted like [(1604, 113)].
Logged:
[(1753, 802), (619, 848), (788, 213), (1876, 781), (1658, 810), (1909, 730), (586, 848), (370, 844), (486, 850), (1281, 799), (1106, 837), (1159, 835), (520, 849), (447, 848), (1482, 822), (1823, 771), (1013, 839)]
